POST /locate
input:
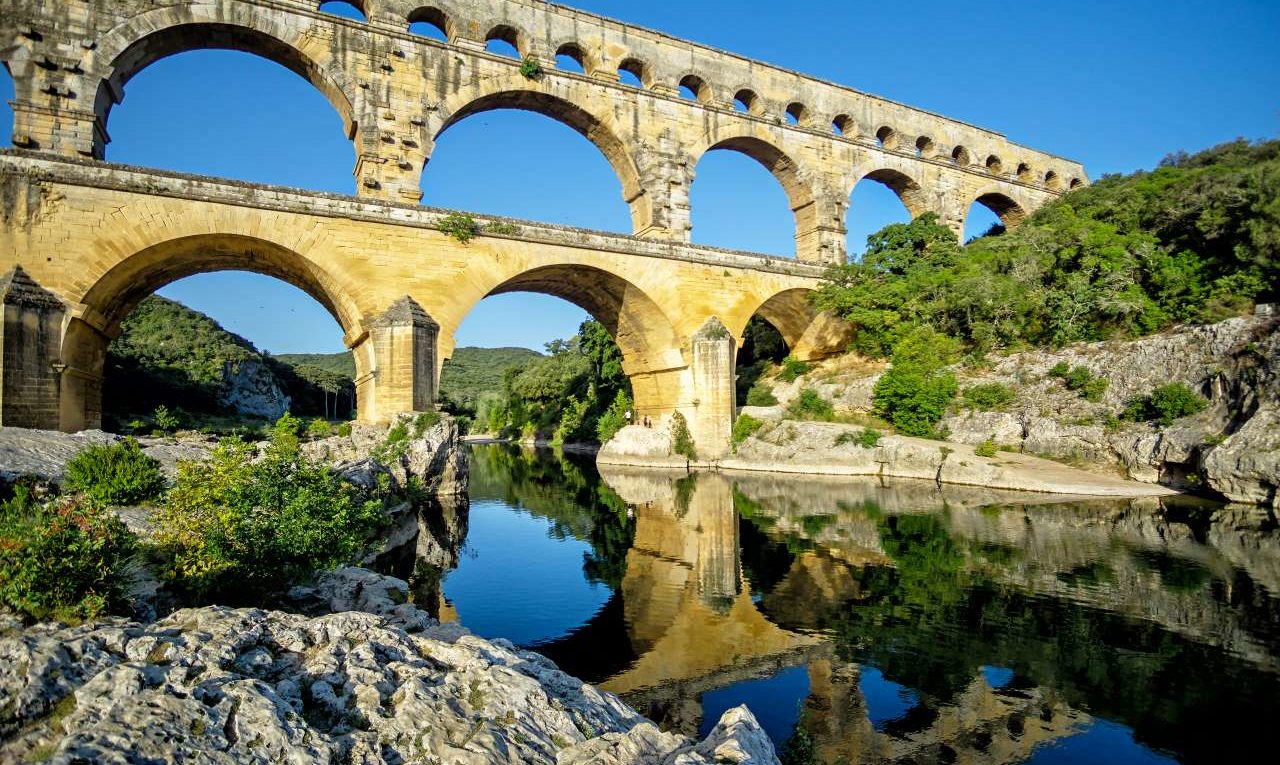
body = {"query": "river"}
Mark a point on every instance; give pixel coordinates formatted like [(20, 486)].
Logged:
[(868, 622)]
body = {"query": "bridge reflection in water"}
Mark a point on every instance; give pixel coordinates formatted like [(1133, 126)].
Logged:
[(869, 623)]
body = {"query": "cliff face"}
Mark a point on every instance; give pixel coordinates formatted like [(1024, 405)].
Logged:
[(1231, 448)]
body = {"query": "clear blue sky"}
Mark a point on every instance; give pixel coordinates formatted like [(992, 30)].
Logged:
[(1116, 85)]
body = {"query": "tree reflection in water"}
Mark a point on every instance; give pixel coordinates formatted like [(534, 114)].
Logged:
[(929, 625)]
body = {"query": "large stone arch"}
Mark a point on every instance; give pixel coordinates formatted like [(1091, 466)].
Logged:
[(1006, 208), (96, 314), (143, 39), (813, 216), (809, 333), (910, 191), (567, 107), (653, 353)]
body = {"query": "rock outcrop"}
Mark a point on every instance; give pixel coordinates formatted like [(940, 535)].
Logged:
[(637, 445), (250, 388), (377, 681), (41, 456), (1230, 448), (429, 459)]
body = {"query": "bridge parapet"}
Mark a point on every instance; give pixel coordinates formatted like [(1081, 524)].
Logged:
[(397, 92)]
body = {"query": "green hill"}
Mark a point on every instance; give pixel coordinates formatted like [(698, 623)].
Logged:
[(471, 373), (168, 354), (340, 363)]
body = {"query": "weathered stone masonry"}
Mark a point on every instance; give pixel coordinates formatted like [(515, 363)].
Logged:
[(100, 239)]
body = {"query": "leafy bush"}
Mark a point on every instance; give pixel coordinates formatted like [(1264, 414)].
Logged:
[(114, 474), (1079, 378), (460, 226), (1165, 405), (344, 429), (681, 438), (915, 391), (319, 428), (809, 405), (869, 438), (989, 397), (793, 368), (236, 527), (987, 448), (165, 419), (66, 560), (425, 421), (761, 395), (744, 427), (614, 418), (530, 69)]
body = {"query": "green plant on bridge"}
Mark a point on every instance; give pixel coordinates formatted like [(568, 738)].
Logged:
[(530, 69), (460, 226)]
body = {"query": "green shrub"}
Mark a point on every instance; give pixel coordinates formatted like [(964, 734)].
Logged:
[(869, 438), (914, 400), (989, 397), (810, 406), (1165, 405), (987, 448), (681, 438), (114, 474), (745, 427), (614, 418), (1094, 389), (425, 421), (319, 428), (792, 369), (460, 226), (165, 419), (66, 560), (530, 69), (344, 429), (761, 395), (236, 527), (1079, 378)]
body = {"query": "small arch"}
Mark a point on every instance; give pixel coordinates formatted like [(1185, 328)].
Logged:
[(347, 9), (694, 88), (887, 138), (1052, 179), (924, 147), (961, 156), (634, 72), (1075, 184), (797, 114), (746, 101), (505, 40), (431, 23), (994, 165), (1024, 172), (844, 125), (571, 58)]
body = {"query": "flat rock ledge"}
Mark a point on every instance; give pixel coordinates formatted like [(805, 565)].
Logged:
[(820, 448), (381, 685)]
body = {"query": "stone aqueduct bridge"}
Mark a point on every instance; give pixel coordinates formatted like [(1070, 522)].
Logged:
[(92, 239)]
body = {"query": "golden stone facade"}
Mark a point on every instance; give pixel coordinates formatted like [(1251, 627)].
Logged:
[(100, 237)]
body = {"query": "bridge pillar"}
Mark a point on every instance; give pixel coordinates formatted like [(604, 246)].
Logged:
[(714, 397), (30, 344), (820, 230), (50, 111), (396, 363)]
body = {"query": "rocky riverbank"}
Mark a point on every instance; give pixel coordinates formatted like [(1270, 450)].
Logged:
[(1230, 449), (363, 678)]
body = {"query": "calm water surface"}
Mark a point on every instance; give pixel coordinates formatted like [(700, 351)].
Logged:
[(870, 623)]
